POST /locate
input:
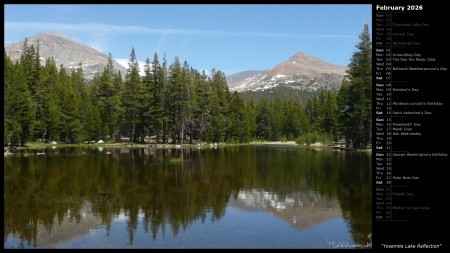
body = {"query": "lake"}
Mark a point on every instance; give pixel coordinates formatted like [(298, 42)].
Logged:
[(246, 196)]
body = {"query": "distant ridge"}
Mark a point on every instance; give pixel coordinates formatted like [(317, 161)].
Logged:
[(301, 72), (66, 51), (236, 79)]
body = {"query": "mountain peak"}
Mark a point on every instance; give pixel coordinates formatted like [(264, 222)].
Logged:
[(301, 57), (300, 71), (50, 33), (66, 51)]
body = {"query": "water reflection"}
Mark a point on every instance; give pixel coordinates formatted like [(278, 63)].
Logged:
[(303, 210), (70, 192)]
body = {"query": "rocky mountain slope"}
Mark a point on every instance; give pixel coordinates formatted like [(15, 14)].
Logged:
[(237, 79), (66, 51), (301, 72)]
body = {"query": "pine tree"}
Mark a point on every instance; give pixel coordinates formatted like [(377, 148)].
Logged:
[(147, 82), (202, 106), (250, 111), (132, 100), (90, 115), (166, 103), (263, 120), (47, 100), (175, 88), (71, 127), (108, 103), (311, 110), (9, 125), (29, 59), (355, 98), (120, 110), (19, 106), (110, 65), (295, 121), (219, 110), (111, 124), (188, 102), (239, 125), (156, 106), (326, 120), (277, 113), (173, 102)]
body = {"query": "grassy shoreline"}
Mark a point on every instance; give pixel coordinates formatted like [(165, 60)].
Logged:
[(153, 145)]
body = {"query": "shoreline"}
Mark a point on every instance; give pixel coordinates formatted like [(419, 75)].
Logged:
[(153, 145), (316, 145)]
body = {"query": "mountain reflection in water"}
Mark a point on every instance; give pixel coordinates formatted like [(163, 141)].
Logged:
[(70, 193)]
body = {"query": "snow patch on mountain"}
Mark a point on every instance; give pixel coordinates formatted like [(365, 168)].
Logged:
[(301, 71)]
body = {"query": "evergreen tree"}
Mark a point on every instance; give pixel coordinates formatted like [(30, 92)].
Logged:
[(90, 116), (344, 119), (295, 123), (250, 111), (108, 103), (132, 100), (173, 102), (29, 59), (166, 103), (239, 125), (356, 95), (120, 111), (202, 106), (110, 65), (311, 109), (263, 120), (219, 111), (156, 105), (187, 108), (147, 82), (19, 112), (326, 123), (47, 99), (175, 89), (9, 126), (71, 127), (277, 112)]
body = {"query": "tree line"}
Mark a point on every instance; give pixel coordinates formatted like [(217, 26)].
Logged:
[(174, 103)]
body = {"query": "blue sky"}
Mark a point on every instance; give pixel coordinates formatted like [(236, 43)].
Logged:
[(228, 37)]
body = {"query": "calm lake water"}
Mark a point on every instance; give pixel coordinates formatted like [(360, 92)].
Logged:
[(220, 197)]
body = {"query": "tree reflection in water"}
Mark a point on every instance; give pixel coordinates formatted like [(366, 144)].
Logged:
[(70, 191)]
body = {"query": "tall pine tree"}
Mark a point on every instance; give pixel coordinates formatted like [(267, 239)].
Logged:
[(19, 112), (356, 95), (132, 100)]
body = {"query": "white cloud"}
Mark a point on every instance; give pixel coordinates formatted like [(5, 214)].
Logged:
[(114, 29)]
